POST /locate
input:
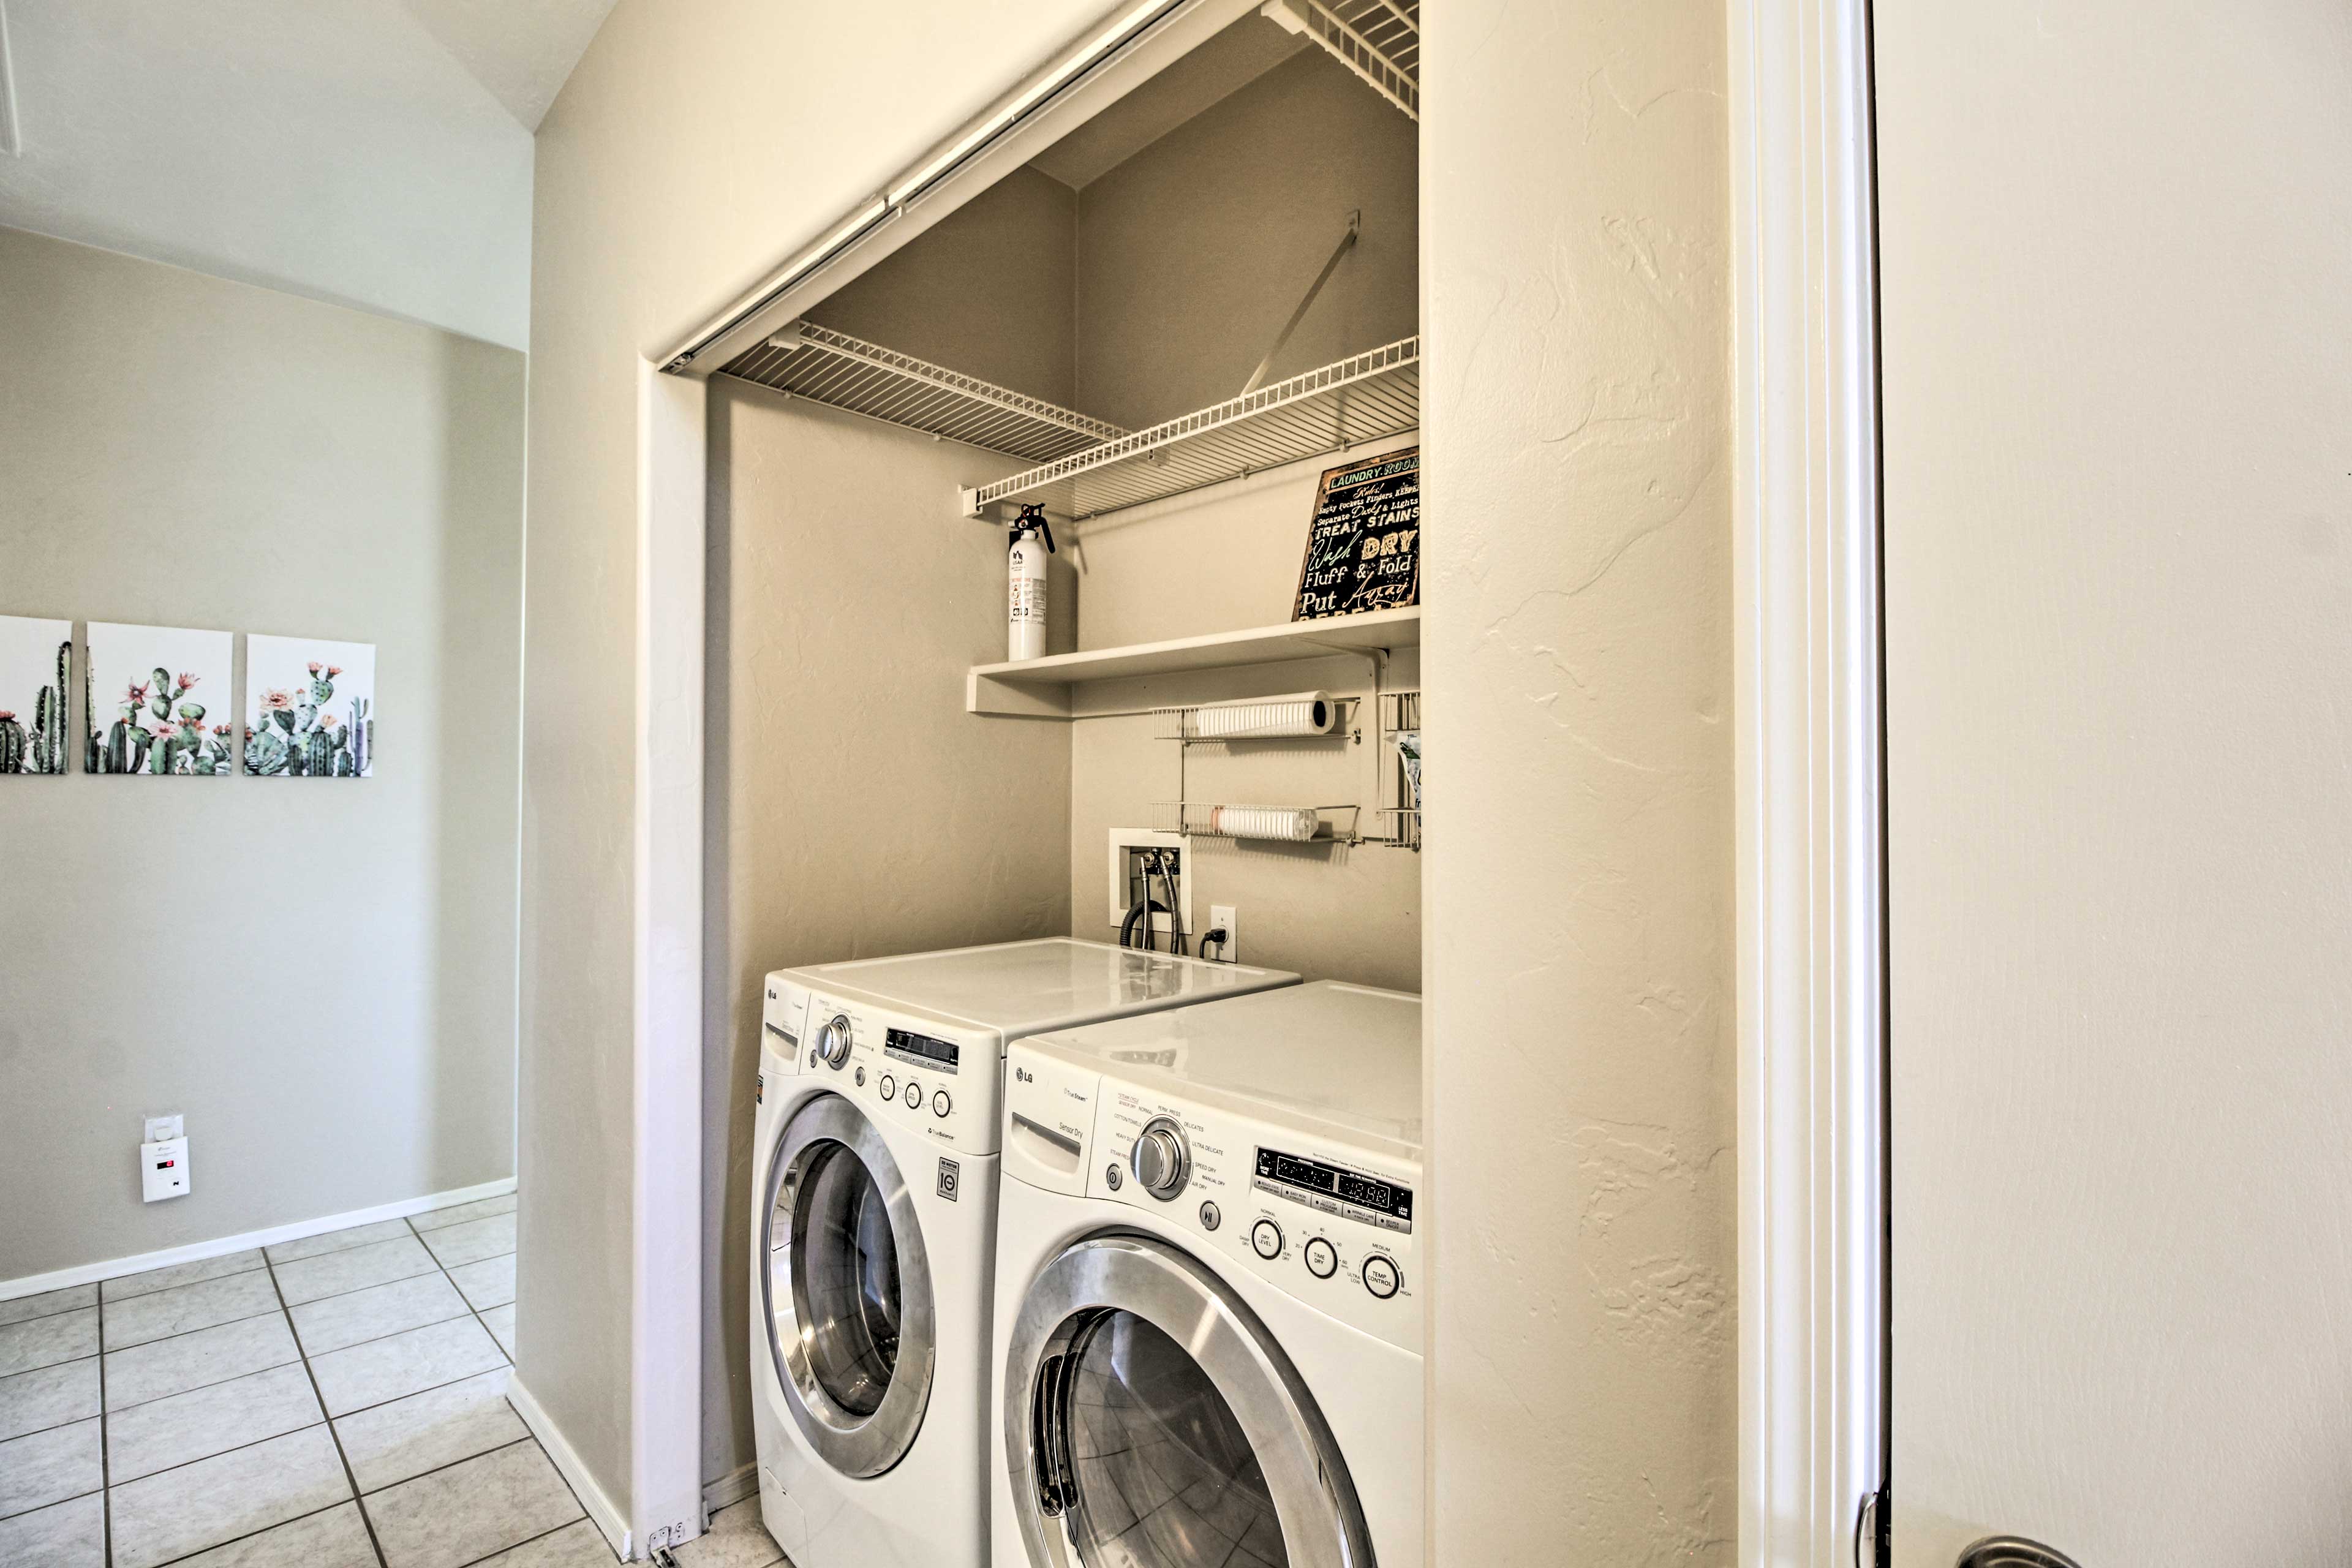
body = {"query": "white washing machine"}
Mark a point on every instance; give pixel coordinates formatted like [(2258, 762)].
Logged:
[(1208, 1313), (873, 1231)]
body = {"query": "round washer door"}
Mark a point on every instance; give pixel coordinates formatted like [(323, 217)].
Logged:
[(847, 1288), (1150, 1421)]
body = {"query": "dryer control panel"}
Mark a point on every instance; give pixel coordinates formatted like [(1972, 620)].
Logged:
[(1334, 1227), (938, 1080)]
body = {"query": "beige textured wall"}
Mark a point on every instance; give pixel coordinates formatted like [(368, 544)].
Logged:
[(1191, 255), (1581, 1369), (320, 975), (697, 141), (853, 808), (986, 291)]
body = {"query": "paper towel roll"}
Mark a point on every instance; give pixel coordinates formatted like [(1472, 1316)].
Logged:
[(1294, 822), (1299, 713)]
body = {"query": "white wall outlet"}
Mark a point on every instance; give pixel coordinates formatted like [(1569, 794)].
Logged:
[(160, 1128), (164, 1170), (1222, 917)]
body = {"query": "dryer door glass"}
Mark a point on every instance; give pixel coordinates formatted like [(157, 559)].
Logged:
[(1152, 1421), (846, 1284), (846, 1278), (1161, 1474)]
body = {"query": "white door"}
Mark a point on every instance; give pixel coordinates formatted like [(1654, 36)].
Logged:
[(2115, 253)]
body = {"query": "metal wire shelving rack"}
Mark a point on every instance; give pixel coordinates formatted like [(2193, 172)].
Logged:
[(833, 368), (1330, 409), (1380, 40)]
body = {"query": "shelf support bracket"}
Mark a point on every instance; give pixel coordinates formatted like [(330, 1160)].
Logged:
[(1347, 244)]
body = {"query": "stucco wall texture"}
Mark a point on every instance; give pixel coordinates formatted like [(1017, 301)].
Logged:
[(1577, 661)]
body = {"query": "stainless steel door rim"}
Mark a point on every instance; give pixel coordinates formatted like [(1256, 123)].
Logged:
[(1322, 1523), (854, 1441)]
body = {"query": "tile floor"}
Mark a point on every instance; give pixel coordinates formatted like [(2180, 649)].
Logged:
[(338, 1401)]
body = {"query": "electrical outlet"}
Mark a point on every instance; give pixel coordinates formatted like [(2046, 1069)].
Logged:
[(1222, 917), (161, 1128)]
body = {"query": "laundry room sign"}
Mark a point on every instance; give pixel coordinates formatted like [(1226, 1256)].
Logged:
[(1363, 547)]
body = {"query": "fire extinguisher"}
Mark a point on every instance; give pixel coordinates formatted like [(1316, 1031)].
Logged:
[(1026, 595)]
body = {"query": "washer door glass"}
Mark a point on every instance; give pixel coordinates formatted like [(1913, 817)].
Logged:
[(847, 1287), (1150, 1421), (1161, 1474)]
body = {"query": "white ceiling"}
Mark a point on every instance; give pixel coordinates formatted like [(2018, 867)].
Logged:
[(372, 152), (522, 50)]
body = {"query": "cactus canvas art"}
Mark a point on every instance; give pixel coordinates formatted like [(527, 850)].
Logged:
[(36, 678), (310, 708), (158, 701)]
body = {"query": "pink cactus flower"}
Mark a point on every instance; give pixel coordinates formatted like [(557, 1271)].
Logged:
[(332, 670), (7, 712), (220, 729), (314, 669), (277, 702), (187, 680), (136, 694)]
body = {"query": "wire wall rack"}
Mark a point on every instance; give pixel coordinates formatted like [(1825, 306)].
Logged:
[(1380, 40), (1204, 820), (1337, 407), (833, 368)]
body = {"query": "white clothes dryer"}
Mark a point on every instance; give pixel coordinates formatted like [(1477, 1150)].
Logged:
[(1209, 1264), (873, 1233)]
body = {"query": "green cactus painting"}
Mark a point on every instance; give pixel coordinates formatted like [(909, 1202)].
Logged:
[(166, 679), (36, 679), (313, 712)]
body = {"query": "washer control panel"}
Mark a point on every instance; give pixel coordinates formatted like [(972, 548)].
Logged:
[(1332, 1226), (938, 1080)]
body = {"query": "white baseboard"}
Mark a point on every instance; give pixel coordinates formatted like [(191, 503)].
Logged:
[(559, 1448), (195, 1251), (732, 1488)]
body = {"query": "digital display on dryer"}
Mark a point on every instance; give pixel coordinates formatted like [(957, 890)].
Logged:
[(1335, 1189), (921, 1049)]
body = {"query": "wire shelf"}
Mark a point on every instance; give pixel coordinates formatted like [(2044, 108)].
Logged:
[(1200, 819), (842, 372), (1380, 40), (1338, 407)]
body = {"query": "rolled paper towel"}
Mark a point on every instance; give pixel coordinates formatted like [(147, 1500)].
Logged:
[(1294, 822), (1299, 713)]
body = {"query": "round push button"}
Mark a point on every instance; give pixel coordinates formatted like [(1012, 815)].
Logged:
[(1265, 1239), (914, 1095), (1322, 1260), (1381, 1278), (941, 1104), (889, 1086), (1113, 1175), (860, 1076), (1210, 1216)]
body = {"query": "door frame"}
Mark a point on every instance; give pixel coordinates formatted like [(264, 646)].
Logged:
[(1808, 695)]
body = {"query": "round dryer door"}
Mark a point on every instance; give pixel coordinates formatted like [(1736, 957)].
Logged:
[(847, 1290), (1151, 1422)]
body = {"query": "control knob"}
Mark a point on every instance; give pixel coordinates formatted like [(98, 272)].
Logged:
[(833, 1040), (1161, 1161)]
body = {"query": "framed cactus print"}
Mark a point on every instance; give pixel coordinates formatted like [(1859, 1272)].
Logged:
[(36, 676), (310, 708), (158, 702)]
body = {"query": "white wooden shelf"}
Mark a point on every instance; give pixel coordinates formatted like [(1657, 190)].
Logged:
[(1054, 687)]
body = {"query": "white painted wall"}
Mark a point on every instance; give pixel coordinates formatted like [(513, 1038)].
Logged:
[(334, 149), (698, 142), (319, 974), (2117, 281), (1578, 881)]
